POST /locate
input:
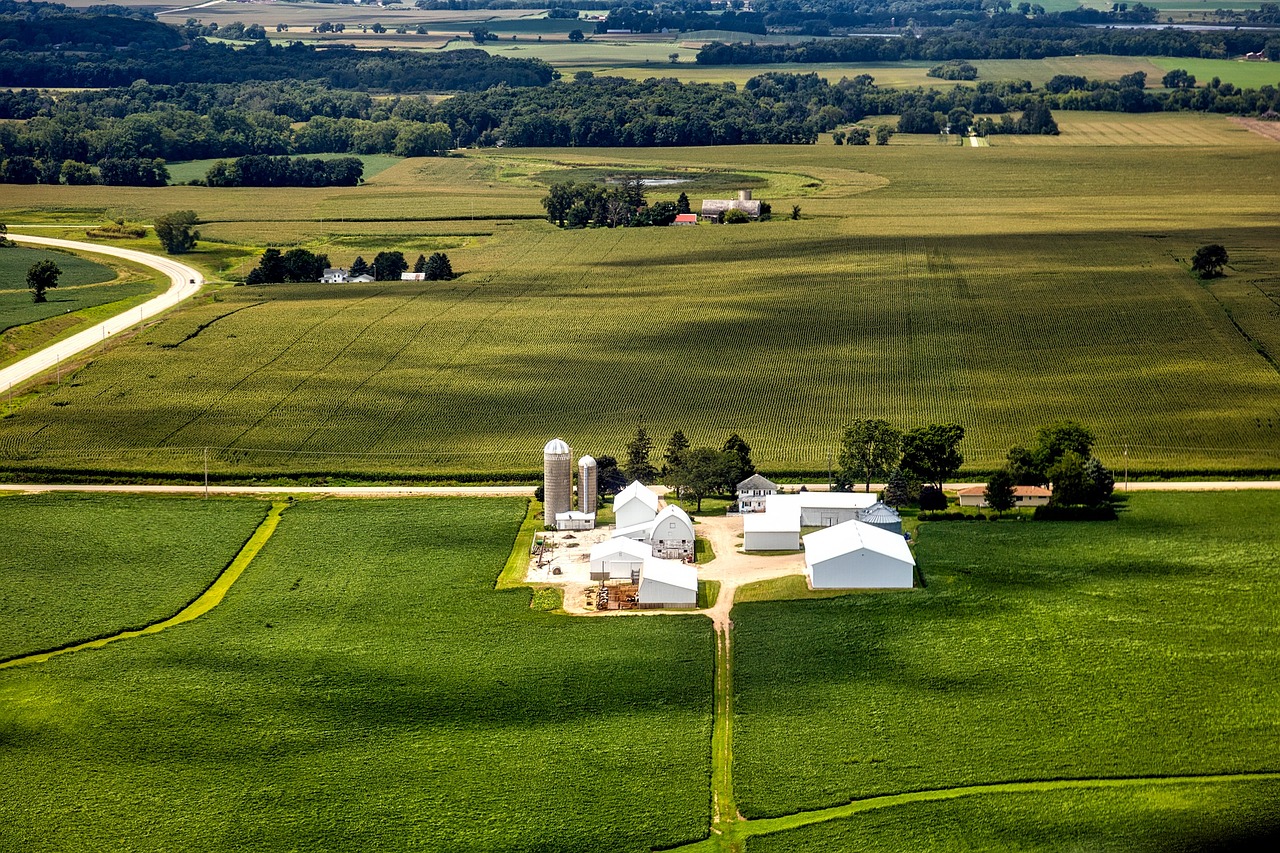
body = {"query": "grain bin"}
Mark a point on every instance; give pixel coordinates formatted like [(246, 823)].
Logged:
[(557, 473), (744, 195), (587, 480)]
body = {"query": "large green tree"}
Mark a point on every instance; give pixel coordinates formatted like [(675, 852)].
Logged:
[(870, 450), (676, 447), (932, 453), (1209, 260), (42, 276), (700, 472), (739, 465), (176, 231), (638, 466), (999, 493)]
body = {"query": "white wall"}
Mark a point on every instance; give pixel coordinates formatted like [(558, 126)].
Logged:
[(634, 512), (826, 516), (862, 569), (657, 593), (771, 540)]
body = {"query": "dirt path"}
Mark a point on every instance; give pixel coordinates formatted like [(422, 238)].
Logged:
[(208, 600), (185, 282)]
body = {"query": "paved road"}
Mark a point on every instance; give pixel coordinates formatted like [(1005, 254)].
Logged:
[(186, 282)]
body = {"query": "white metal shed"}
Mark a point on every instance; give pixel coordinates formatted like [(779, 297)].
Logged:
[(667, 583), (854, 555)]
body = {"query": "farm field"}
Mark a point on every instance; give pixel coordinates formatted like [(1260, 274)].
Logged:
[(1252, 75), (1146, 129), (1145, 647), (190, 170), (364, 686), (78, 567), (990, 287), (83, 283)]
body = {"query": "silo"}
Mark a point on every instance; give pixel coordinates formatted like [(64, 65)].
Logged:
[(744, 195), (557, 473), (587, 484)]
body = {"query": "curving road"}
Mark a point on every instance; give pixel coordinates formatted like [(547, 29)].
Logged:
[(186, 282)]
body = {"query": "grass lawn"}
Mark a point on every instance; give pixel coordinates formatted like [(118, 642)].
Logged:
[(77, 567), (1142, 647), (363, 686), (1245, 75)]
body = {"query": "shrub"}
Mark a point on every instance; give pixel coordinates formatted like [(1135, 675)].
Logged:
[(735, 217)]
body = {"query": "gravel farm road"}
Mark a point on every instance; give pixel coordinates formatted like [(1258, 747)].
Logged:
[(186, 282)]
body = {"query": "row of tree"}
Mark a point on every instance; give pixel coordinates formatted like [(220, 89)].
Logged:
[(261, 170), (302, 265), (576, 205), (694, 472)]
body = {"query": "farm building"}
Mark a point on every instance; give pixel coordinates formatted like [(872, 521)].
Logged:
[(334, 275), (588, 484), (557, 479), (668, 584), (770, 531), (714, 209), (636, 504), (572, 520), (362, 278), (1022, 496), (686, 219), (413, 276), (669, 534), (618, 559), (853, 555), (881, 515), (752, 492)]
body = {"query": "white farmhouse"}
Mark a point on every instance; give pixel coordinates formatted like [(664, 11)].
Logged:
[(854, 555), (618, 559), (668, 584), (752, 492), (334, 275), (635, 505)]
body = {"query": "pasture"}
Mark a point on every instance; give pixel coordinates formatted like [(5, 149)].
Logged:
[(1249, 75), (79, 567), (1145, 647), (363, 686), (987, 286)]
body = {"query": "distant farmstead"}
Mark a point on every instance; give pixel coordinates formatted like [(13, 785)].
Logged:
[(1022, 496), (715, 209)]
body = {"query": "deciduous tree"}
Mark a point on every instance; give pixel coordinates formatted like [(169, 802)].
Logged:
[(176, 231), (932, 452), (700, 472), (869, 450), (999, 493), (1209, 260), (42, 276)]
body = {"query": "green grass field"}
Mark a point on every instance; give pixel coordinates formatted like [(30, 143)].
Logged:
[(363, 686), (1039, 651), (78, 567), (82, 284), (190, 170), (1001, 288), (1250, 75)]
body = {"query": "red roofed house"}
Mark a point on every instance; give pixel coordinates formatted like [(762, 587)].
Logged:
[(1022, 495), (686, 219)]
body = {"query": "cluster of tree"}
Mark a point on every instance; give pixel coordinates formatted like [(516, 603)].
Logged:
[(694, 472), (1062, 456), (1265, 14), (914, 464), (575, 205), (388, 266), (1000, 37), (262, 170), (176, 231), (336, 67), (112, 171), (1128, 94), (27, 26), (675, 18), (954, 69), (5, 242), (295, 265)]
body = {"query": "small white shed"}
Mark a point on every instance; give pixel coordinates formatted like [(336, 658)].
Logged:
[(776, 530), (668, 584), (636, 504), (573, 520), (854, 555), (618, 559), (672, 533)]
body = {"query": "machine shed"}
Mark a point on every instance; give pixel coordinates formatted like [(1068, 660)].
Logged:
[(854, 555)]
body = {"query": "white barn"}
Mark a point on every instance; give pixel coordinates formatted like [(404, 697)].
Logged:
[(672, 533), (618, 559), (854, 555), (635, 505), (668, 584), (753, 491), (778, 527)]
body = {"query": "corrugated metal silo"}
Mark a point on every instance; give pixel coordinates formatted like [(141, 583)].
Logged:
[(587, 484), (557, 482)]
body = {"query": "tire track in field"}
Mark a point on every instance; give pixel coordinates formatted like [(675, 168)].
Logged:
[(206, 601), (397, 306), (242, 380)]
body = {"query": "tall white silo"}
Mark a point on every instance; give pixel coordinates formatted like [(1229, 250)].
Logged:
[(557, 482), (587, 484)]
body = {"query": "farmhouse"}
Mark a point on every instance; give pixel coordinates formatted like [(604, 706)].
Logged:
[(686, 219), (1022, 496), (668, 584), (752, 492), (778, 527), (634, 505), (853, 555), (334, 275), (618, 559), (715, 209)]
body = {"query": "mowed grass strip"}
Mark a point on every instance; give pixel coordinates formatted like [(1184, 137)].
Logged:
[(363, 686), (79, 567), (1038, 651), (1186, 817)]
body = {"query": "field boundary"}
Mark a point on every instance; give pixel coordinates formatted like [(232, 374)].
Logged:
[(210, 598)]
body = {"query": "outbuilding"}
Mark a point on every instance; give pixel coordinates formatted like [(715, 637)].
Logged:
[(672, 534), (618, 559), (668, 584), (636, 504), (573, 520), (771, 531), (881, 515), (1022, 496), (854, 555)]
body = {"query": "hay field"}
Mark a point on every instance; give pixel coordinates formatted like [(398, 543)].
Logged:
[(1002, 288)]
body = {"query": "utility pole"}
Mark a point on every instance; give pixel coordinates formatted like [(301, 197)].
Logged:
[(1126, 466), (206, 472)]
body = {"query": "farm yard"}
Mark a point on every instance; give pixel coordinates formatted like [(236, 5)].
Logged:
[(991, 288), (364, 683)]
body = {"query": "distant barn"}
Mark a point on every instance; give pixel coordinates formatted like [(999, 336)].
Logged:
[(715, 209)]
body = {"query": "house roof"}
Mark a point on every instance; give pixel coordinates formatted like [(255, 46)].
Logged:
[(636, 490), (614, 547), (686, 217), (824, 500), (671, 573), (851, 536), (1018, 491), (757, 481)]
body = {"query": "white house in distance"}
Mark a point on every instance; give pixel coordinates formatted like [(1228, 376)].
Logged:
[(668, 584), (334, 275), (778, 527), (1022, 496), (618, 559), (853, 555), (752, 492), (635, 505)]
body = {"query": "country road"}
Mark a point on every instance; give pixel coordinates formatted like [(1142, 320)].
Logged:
[(186, 282)]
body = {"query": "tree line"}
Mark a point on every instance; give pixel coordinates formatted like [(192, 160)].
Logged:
[(573, 205), (260, 170)]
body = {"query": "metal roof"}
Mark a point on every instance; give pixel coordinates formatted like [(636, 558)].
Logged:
[(851, 536), (557, 447)]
